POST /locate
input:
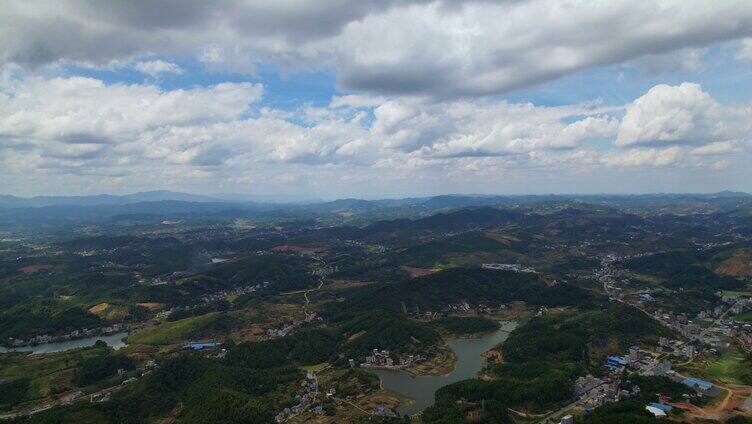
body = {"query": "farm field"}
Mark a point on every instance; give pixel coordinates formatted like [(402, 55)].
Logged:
[(727, 368), (745, 317)]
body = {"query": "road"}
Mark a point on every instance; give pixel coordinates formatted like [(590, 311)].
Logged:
[(59, 402), (560, 411), (718, 411), (305, 294), (720, 318), (605, 282), (702, 334)]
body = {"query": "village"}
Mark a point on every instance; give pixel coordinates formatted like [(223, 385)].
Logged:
[(706, 335), (712, 329), (84, 333)]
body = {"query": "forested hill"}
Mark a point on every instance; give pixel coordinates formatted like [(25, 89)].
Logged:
[(687, 269), (458, 220), (474, 285), (544, 356)]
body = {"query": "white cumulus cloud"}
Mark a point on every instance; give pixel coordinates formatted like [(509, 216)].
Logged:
[(88, 129), (681, 114), (79, 110), (157, 67), (745, 51), (644, 157)]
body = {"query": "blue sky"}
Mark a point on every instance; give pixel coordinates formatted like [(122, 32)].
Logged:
[(376, 99), (283, 90)]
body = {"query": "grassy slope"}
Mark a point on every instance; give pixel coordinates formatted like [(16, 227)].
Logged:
[(47, 371), (727, 368), (171, 332), (745, 317)]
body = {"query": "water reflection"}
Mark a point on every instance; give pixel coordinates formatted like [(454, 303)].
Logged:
[(115, 341), (422, 388)]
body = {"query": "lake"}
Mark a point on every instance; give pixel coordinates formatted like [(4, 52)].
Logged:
[(422, 388), (115, 341)]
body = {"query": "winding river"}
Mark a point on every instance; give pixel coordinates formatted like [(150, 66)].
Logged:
[(422, 388), (115, 341)]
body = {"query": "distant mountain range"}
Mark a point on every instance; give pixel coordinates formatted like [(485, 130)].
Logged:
[(7, 201), (100, 199), (434, 202), (54, 211)]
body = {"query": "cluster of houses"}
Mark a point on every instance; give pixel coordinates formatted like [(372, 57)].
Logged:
[(679, 348), (161, 279), (645, 365), (289, 328), (379, 358), (217, 297), (284, 330), (742, 331), (603, 394), (480, 308), (745, 338), (73, 335), (305, 401), (238, 291), (661, 408), (324, 270), (460, 307), (383, 410), (382, 358), (100, 397), (509, 267), (714, 328), (637, 361), (717, 334), (594, 392), (585, 384), (106, 394)]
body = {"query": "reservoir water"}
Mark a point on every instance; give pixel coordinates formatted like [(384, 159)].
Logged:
[(421, 388), (115, 341)]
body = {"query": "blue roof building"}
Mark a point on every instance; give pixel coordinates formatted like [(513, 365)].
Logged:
[(616, 361), (200, 346), (662, 406), (697, 384)]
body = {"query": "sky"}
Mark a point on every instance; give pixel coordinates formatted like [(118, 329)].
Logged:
[(375, 98)]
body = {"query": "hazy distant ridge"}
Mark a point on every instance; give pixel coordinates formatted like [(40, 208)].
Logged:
[(432, 202)]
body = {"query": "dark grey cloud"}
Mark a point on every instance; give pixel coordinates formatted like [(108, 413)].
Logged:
[(215, 155), (439, 48), (150, 15), (45, 31), (489, 48)]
